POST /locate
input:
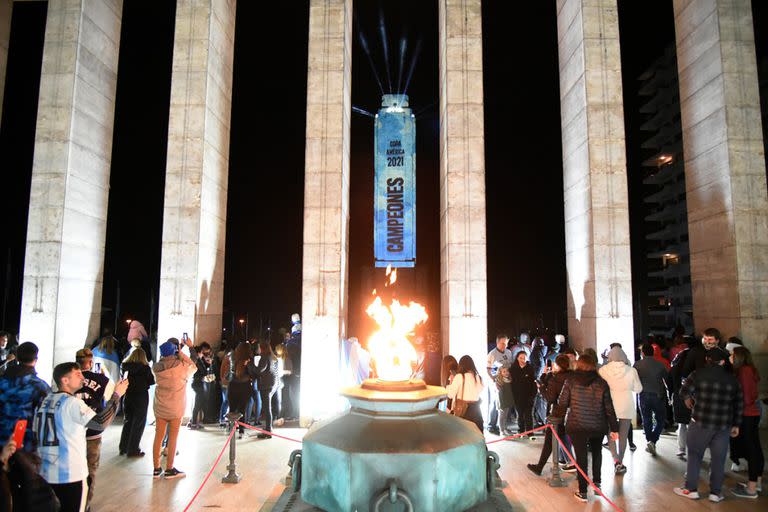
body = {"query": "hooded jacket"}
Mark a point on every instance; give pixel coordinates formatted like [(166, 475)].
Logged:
[(21, 392), (623, 382), (171, 376), (587, 400)]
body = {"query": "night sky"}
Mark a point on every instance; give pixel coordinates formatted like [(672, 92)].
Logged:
[(526, 248)]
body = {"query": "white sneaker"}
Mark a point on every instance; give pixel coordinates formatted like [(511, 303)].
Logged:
[(736, 467), (714, 498), (685, 493)]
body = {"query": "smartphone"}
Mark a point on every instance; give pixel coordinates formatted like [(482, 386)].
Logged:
[(97, 367), (18, 433), (184, 337)]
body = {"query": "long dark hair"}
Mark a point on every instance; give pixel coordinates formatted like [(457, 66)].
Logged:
[(242, 355), (743, 357), (449, 365), (467, 365), (265, 349)]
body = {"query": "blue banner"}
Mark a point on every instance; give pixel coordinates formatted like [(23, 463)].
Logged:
[(394, 206)]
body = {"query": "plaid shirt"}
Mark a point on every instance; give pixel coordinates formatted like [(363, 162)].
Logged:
[(717, 396)]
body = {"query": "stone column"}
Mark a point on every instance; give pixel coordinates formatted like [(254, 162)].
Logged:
[(6, 9), (724, 168), (326, 204), (66, 231), (594, 174), (463, 284), (195, 205)]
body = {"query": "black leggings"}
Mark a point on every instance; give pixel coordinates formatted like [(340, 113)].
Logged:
[(749, 434), (238, 395), (524, 416), (583, 441), (546, 449), (266, 406), (135, 406)]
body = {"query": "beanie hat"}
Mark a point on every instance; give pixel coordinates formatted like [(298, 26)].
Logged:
[(168, 349)]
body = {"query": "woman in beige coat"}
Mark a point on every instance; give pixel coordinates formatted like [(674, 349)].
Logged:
[(172, 373)]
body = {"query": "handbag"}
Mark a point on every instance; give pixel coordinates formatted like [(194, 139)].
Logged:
[(460, 405)]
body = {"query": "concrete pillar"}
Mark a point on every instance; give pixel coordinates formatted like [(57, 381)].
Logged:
[(463, 284), (66, 231), (594, 174), (6, 9), (197, 166), (724, 168), (326, 203)]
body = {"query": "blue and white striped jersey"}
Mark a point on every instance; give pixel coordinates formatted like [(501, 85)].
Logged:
[(60, 426)]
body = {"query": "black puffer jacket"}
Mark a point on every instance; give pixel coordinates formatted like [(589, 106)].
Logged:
[(268, 370), (587, 399)]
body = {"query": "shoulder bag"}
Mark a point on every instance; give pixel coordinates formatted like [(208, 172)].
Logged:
[(459, 404)]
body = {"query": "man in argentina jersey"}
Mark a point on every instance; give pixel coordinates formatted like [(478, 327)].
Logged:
[(96, 386), (60, 424)]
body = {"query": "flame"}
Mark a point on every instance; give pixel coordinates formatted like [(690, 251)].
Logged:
[(389, 346), (391, 274)]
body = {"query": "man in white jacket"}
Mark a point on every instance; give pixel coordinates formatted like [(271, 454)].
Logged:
[(624, 382)]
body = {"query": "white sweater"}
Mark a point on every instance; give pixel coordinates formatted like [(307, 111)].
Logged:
[(472, 389), (624, 382)]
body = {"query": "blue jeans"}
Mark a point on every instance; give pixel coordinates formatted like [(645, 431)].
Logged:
[(224, 404), (699, 439), (253, 410), (652, 409)]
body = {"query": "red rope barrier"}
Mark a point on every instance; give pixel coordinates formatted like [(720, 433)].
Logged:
[(269, 433), (513, 436), (205, 480), (584, 473)]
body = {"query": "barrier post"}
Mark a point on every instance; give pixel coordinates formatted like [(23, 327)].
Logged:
[(232, 476), (556, 480)]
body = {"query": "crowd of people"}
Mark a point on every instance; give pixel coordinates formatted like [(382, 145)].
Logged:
[(53, 465), (704, 389)]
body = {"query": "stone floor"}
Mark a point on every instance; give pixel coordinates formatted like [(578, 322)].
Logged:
[(127, 484)]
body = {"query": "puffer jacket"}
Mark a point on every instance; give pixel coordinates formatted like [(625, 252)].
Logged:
[(551, 386), (269, 372), (623, 382), (171, 376), (587, 400)]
